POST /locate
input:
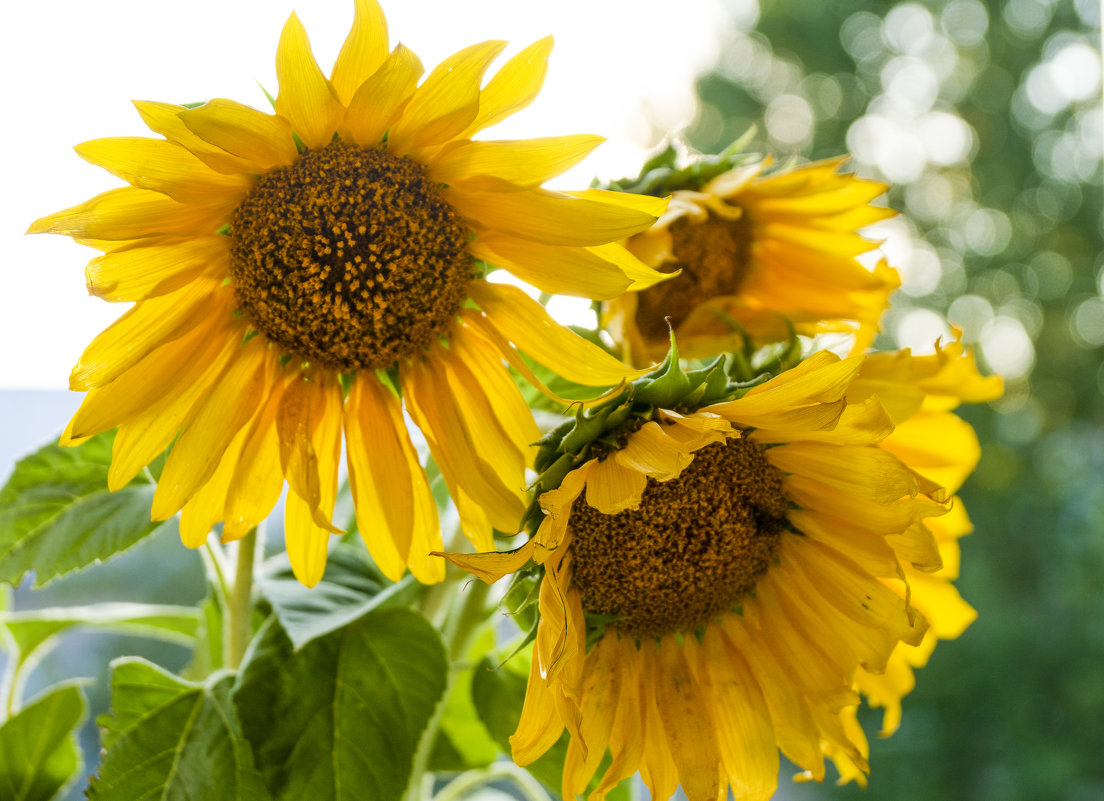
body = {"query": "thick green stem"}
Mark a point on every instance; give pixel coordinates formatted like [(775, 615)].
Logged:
[(239, 611)]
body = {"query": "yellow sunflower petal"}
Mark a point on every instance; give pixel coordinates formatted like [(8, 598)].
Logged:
[(258, 481), (426, 396), (626, 739), (130, 213), (888, 517), (485, 365), (870, 473), (307, 542), (167, 168), (494, 165), (599, 696), (493, 565), (388, 484), (868, 549), (164, 118), (600, 272), (822, 378), (381, 98), (148, 325), (306, 418), (745, 737), (137, 273), (939, 445), (168, 370), (853, 592), (307, 525), (232, 402), (652, 206), (651, 452), (264, 140), (507, 457), (942, 604), (554, 218), (363, 51), (306, 99), (525, 322), (917, 547), (686, 714), (887, 690), (539, 727), (206, 506), (557, 505), (513, 87), (613, 488), (145, 436), (789, 710), (658, 768), (865, 423), (447, 101)]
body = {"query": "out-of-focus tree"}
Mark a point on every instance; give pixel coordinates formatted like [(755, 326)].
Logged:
[(985, 117)]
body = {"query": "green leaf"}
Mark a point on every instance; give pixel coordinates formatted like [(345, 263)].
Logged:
[(38, 746), (30, 630), (57, 516), (173, 740), (341, 718), (351, 587)]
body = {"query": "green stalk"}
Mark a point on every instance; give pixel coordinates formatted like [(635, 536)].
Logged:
[(459, 787), (239, 607)]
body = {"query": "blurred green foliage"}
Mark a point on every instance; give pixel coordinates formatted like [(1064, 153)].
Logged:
[(985, 118)]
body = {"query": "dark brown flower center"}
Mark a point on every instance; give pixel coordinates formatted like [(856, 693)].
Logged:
[(693, 550), (349, 257), (713, 255)]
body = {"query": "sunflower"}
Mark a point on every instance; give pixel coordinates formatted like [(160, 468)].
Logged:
[(724, 569), (757, 253), (304, 277)]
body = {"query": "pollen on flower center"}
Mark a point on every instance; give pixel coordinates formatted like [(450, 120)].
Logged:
[(349, 257), (713, 255), (695, 547)]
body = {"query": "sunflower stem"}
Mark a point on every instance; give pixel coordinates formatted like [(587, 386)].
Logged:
[(214, 561), (239, 618), (458, 788)]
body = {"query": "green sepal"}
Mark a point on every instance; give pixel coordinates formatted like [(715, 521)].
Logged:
[(592, 423), (661, 175), (668, 384)]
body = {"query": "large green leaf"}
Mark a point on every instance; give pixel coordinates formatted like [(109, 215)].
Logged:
[(172, 740), (57, 516), (38, 746), (29, 630), (341, 718), (351, 587)]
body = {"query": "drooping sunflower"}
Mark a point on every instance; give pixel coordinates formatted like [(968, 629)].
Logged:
[(722, 571), (757, 252), (306, 276)]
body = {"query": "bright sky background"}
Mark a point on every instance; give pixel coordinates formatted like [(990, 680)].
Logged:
[(70, 69)]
